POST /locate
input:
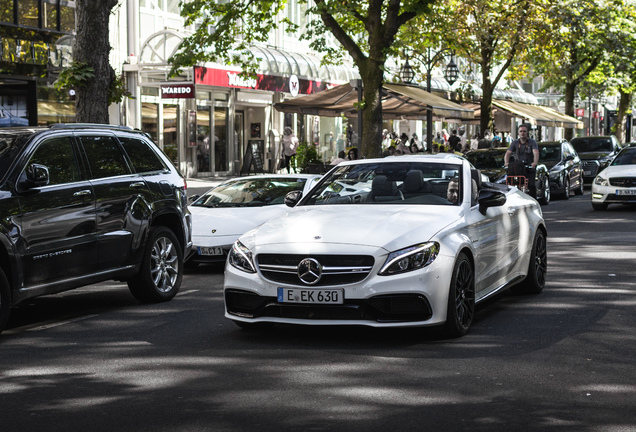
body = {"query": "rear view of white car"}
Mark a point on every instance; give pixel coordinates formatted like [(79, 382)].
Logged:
[(236, 206), (616, 184)]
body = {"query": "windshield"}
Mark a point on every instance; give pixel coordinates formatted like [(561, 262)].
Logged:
[(252, 192), (550, 153), (10, 147), (486, 160), (427, 183), (626, 157), (592, 145)]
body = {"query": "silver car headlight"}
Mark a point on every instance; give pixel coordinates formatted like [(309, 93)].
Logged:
[(410, 258), (601, 181), (241, 258)]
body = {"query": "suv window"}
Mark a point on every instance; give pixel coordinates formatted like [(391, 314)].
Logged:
[(58, 156), (143, 158), (104, 156)]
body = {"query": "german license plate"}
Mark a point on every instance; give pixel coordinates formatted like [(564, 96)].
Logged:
[(310, 296), (201, 250), (626, 192), (587, 173)]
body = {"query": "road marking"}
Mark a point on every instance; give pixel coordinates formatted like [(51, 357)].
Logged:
[(187, 292), (28, 328)]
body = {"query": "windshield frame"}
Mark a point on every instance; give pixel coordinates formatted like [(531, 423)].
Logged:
[(361, 184)]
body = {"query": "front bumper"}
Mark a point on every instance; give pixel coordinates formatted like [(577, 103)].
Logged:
[(413, 299)]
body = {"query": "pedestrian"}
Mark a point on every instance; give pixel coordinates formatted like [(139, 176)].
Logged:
[(474, 142), (402, 144), (454, 141), (290, 144), (438, 140), (414, 149), (526, 153), (353, 153), (340, 158)]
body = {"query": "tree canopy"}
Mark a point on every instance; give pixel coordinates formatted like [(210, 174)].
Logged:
[(365, 30)]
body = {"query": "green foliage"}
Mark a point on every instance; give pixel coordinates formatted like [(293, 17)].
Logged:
[(78, 74), (118, 90), (306, 153)]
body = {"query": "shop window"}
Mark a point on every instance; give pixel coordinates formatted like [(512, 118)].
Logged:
[(6, 11), (220, 139), (204, 148), (67, 16), (170, 142), (149, 119), (49, 14), (28, 13)]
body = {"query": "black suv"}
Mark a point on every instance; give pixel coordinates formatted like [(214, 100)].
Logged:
[(596, 153), (81, 204)]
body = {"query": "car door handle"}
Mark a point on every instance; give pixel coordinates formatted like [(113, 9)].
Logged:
[(137, 184), (82, 192), (512, 211)]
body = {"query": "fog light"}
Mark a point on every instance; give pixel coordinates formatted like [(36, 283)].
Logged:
[(597, 196)]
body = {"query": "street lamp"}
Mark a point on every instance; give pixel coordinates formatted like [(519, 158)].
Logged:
[(407, 74), (452, 72)]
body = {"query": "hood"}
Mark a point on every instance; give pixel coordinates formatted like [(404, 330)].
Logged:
[(231, 221), (619, 171), (386, 226), (593, 155)]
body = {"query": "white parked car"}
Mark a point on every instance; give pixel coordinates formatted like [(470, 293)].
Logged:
[(397, 242), (616, 184), (236, 206)]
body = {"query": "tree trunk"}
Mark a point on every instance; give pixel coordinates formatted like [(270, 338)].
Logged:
[(371, 139), (487, 88), (93, 48), (570, 88), (623, 105)]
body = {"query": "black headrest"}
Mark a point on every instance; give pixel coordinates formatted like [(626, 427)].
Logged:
[(475, 174), (413, 181)]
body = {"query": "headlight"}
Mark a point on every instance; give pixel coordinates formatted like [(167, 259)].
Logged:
[(241, 258), (410, 258), (601, 181)]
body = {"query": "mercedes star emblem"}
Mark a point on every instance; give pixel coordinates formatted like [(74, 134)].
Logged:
[(309, 271)]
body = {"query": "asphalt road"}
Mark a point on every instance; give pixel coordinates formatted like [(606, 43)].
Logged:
[(94, 359)]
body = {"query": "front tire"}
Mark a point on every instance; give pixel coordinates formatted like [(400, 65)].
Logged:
[(461, 299), (161, 270), (580, 190), (537, 268), (566, 188), (5, 300)]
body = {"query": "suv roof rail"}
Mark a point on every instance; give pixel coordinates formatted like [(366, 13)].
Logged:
[(88, 125)]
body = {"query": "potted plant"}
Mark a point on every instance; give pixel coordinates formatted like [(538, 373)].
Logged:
[(307, 159)]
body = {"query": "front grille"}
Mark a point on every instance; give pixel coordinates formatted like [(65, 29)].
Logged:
[(591, 166), (336, 269), (383, 308), (621, 198), (623, 181)]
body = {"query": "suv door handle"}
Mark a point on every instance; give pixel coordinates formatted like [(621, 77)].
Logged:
[(137, 184), (82, 192)]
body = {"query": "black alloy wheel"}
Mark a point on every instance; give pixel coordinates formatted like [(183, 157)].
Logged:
[(461, 299), (566, 188), (579, 190), (161, 271), (537, 268)]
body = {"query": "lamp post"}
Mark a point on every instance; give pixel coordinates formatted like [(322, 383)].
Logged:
[(451, 74)]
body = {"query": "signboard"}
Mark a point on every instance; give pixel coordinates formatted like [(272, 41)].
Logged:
[(253, 157), (233, 79), (596, 114), (177, 91), (580, 112)]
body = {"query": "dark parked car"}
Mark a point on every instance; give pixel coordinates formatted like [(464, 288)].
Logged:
[(81, 204), (491, 163), (596, 153), (564, 165)]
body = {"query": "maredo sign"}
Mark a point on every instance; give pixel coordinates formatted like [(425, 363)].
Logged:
[(233, 79), (177, 91)]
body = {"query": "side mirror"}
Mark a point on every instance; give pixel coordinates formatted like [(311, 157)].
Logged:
[(36, 175), (490, 198), (292, 198)]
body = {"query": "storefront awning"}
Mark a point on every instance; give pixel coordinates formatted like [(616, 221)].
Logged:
[(538, 115), (398, 101)]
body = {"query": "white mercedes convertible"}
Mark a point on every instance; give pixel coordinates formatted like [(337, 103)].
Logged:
[(404, 241)]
